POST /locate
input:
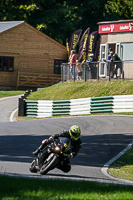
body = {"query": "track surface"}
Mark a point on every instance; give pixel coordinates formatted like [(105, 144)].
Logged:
[(103, 138)]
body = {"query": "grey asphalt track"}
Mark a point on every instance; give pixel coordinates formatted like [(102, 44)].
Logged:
[(103, 138)]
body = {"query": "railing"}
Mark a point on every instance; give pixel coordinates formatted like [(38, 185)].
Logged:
[(93, 70)]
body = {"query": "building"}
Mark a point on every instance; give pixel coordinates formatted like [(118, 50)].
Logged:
[(117, 35), (28, 58)]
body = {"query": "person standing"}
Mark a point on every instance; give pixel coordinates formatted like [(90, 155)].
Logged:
[(92, 66), (79, 70), (73, 64)]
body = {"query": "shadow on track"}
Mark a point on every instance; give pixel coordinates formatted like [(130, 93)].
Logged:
[(95, 152)]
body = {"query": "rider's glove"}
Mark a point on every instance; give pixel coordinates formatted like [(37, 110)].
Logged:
[(71, 155)]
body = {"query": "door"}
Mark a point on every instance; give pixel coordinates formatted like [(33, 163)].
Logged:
[(102, 64)]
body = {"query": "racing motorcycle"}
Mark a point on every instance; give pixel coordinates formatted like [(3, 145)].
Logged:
[(51, 156)]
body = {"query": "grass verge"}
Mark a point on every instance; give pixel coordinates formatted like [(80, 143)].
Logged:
[(75, 90), (11, 93), (123, 167), (12, 188)]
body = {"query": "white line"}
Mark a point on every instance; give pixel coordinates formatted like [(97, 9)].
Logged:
[(104, 169), (12, 115)]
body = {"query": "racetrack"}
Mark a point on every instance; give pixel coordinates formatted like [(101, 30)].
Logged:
[(103, 138)]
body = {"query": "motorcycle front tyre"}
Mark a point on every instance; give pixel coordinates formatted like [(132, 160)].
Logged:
[(51, 164), (33, 167)]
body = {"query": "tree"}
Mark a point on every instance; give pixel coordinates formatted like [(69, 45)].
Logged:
[(122, 9), (60, 18)]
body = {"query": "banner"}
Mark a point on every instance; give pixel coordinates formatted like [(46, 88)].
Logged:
[(91, 43), (82, 48), (74, 40), (97, 50), (67, 46)]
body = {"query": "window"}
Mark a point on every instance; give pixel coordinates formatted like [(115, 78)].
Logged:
[(127, 51), (57, 66), (6, 63)]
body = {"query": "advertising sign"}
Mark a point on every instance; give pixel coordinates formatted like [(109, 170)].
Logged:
[(115, 28), (82, 47)]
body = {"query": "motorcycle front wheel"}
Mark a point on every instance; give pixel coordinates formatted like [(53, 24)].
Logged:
[(49, 165), (33, 166)]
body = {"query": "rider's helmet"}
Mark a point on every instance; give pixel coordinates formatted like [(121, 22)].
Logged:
[(75, 132)]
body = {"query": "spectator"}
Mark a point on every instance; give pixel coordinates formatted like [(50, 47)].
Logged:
[(92, 57), (117, 65), (92, 66), (79, 70), (73, 63), (109, 54), (110, 62)]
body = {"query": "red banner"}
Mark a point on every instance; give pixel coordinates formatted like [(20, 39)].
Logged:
[(115, 28)]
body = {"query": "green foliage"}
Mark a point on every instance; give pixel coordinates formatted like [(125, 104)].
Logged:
[(59, 19), (56, 18), (121, 8)]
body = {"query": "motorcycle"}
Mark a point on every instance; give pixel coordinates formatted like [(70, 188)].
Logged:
[(51, 156)]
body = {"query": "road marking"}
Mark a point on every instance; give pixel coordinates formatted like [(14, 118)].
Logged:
[(12, 115), (104, 169)]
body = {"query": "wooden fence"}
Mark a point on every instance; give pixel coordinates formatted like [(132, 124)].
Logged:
[(36, 80)]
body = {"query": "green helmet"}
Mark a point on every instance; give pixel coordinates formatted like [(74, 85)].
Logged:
[(75, 132)]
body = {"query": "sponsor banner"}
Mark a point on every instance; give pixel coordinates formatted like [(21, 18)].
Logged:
[(82, 47), (67, 46), (97, 50), (91, 43), (115, 28), (74, 40)]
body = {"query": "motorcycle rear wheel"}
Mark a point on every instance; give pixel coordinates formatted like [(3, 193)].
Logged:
[(51, 164)]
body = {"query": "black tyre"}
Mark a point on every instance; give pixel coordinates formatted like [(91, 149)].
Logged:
[(33, 167), (51, 164)]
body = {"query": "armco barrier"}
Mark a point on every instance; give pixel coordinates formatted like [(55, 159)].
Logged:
[(83, 106), (123, 103), (101, 104)]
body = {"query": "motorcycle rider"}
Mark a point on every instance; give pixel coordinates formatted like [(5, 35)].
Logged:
[(73, 134)]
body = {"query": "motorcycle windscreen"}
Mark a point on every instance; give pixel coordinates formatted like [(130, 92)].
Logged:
[(65, 144)]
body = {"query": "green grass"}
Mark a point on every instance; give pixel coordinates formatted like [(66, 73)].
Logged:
[(123, 167), (10, 93), (31, 189), (75, 90)]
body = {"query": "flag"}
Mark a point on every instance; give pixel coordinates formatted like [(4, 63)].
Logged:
[(67, 46), (74, 40), (82, 48), (97, 50), (91, 43)]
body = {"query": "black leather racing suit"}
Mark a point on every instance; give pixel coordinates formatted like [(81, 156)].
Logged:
[(76, 145)]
